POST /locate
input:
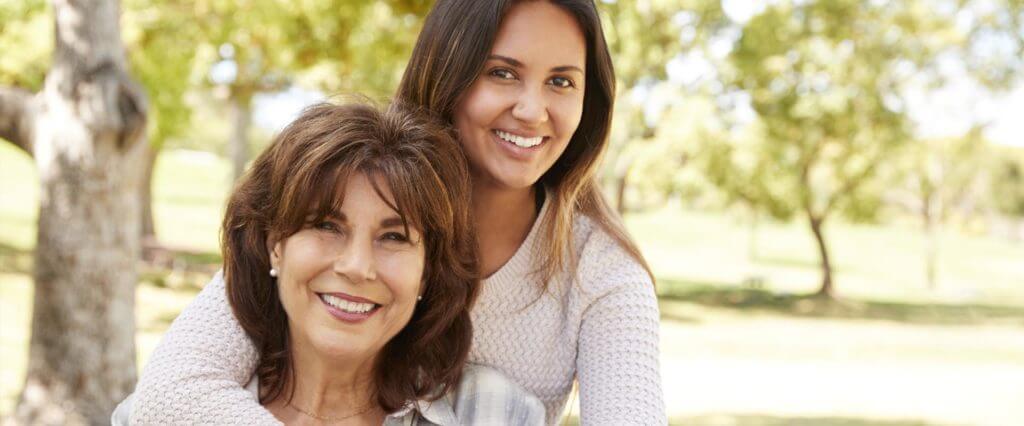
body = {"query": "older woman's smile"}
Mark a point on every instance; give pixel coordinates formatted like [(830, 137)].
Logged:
[(348, 308)]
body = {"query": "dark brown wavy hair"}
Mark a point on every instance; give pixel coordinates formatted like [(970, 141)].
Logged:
[(294, 178), (450, 54)]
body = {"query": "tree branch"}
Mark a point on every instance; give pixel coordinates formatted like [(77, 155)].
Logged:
[(851, 183), (17, 108)]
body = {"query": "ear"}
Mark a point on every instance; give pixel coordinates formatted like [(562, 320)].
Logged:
[(274, 252)]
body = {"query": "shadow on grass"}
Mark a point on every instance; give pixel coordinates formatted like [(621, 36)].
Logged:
[(15, 259), (760, 300), (158, 262), (177, 267)]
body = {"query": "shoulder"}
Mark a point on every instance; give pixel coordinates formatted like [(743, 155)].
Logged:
[(603, 265)]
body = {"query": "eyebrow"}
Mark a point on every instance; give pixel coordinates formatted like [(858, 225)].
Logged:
[(393, 221), (515, 63)]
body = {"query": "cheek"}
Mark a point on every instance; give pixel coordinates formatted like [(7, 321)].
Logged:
[(403, 273), (567, 113), (303, 257), (483, 103), (292, 293)]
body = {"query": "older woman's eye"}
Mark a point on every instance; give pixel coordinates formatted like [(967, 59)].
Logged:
[(562, 82), (326, 226)]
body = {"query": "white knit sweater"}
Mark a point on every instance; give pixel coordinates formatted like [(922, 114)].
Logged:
[(599, 326)]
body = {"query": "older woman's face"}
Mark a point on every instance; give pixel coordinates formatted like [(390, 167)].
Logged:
[(349, 283)]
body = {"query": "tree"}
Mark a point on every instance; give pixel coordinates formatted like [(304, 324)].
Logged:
[(159, 37), (1007, 187), (161, 48), (643, 36), (934, 177), (825, 81), (85, 129), (267, 45)]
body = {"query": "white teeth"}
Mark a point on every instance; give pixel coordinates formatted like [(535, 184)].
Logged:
[(519, 140), (347, 306)]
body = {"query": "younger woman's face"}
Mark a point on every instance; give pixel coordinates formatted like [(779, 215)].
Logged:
[(349, 282), (518, 116)]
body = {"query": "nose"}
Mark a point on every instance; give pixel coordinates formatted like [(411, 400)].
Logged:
[(355, 262), (531, 107)]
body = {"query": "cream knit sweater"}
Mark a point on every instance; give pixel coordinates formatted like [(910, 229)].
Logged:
[(599, 326)]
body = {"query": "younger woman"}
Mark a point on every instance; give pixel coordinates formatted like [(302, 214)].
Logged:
[(529, 87)]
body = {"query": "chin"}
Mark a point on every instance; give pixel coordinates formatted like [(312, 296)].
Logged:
[(339, 345), (515, 179)]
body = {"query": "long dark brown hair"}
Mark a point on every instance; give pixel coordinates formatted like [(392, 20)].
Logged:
[(448, 57), (294, 179)]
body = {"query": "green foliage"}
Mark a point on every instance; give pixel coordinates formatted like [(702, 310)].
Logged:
[(662, 159), (1007, 188), (994, 49), (643, 35), (824, 79), (161, 46), (26, 40), (939, 177)]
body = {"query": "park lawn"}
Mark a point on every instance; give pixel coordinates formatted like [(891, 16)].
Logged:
[(156, 308), (731, 353), (724, 366)]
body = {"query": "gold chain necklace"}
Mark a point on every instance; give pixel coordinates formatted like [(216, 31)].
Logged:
[(331, 419)]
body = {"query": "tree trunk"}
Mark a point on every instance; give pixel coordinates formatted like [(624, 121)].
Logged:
[(88, 144), (931, 243), (817, 227), (752, 243), (146, 197), (621, 183), (238, 146)]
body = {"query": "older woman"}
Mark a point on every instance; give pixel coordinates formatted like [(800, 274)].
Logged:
[(350, 263)]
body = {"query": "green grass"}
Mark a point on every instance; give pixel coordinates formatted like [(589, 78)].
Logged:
[(735, 350), (880, 263)]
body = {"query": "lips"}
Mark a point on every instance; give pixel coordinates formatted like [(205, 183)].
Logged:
[(348, 308), (519, 140), (516, 152)]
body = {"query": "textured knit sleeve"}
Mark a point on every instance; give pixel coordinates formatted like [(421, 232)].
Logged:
[(617, 364), (197, 372)]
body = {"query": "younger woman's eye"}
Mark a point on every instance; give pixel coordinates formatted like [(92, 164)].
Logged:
[(502, 73), (562, 82), (396, 237)]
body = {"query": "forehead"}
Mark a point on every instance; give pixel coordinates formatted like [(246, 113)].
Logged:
[(541, 34), (357, 192)]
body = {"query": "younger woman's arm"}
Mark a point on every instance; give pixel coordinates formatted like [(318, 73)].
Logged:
[(617, 359), (197, 372)]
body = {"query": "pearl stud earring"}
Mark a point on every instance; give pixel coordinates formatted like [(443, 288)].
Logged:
[(273, 272)]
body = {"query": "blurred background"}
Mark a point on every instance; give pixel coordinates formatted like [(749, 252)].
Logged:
[(830, 192)]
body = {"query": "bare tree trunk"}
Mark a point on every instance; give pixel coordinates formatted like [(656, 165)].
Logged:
[(817, 227), (931, 242), (241, 113), (146, 198), (621, 183), (87, 142), (755, 217)]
